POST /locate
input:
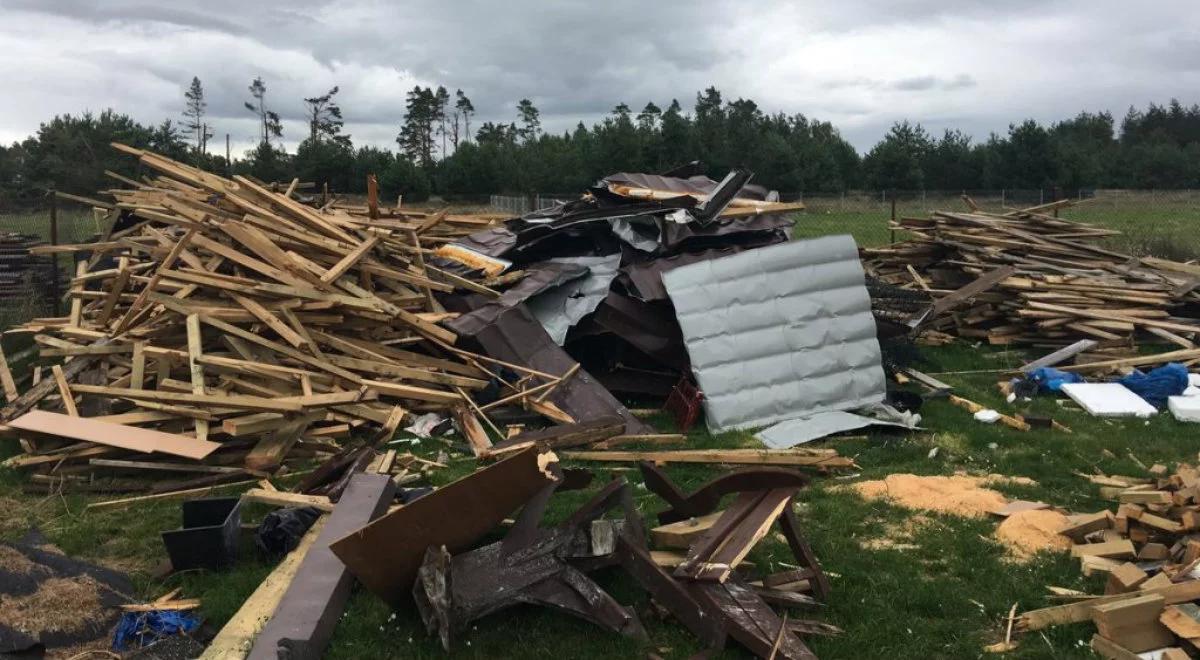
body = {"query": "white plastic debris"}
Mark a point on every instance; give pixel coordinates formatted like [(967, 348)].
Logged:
[(987, 416), (423, 426), (1184, 408)]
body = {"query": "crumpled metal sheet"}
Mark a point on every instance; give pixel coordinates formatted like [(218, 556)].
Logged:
[(635, 233), (644, 279), (757, 229), (562, 307), (696, 185), (649, 327), (541, 277), (814, 427), (780, 332), (516, 336)]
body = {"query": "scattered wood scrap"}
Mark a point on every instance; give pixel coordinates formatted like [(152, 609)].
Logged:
[(1029, 277), (1149, 548)]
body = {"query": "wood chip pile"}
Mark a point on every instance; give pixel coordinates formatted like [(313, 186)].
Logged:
[(1149, 548), (219, 329), (1064, 285)]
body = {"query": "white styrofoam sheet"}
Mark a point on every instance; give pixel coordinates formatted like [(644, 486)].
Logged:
[(780, 332), (1108, 400), (1184, 408)]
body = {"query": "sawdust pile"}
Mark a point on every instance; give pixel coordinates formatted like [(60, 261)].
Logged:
[(959, 495), (1025, 533), (59, 605)]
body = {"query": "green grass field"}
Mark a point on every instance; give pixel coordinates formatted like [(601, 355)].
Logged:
[(945, 598)]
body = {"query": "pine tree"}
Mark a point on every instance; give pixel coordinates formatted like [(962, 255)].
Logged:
[(272, 127), (531, 123), (416, 135), (463, 107), (325, 119), (193, 112), (441, 101)]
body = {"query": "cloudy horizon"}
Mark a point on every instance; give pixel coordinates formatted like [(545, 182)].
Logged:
[(861, 65)]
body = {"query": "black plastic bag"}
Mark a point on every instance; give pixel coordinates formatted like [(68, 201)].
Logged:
[(280, 532)]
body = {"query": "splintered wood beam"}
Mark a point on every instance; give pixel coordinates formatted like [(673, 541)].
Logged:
[(472, 430), (114, 294), (64, 391), (263, 314), (137, 374), (225, 401), (6, 379), (401, 391), (196, 370), (349, 260), (76, 314)]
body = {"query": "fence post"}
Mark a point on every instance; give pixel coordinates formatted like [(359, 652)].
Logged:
[(54, 256), (892, 224)]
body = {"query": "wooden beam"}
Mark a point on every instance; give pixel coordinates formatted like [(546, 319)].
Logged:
[(64, 391), (6, 379), (195, 350), (235, 639), (730, 456)]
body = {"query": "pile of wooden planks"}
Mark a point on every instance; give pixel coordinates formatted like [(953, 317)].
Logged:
[(1149, 548), (219, 329), (1029, 277)]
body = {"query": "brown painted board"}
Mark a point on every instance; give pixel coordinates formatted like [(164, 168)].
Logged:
[(385, 554), (314, 601), (113, 435)]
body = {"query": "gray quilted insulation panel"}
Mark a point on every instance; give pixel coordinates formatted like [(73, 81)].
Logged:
[(780, 332)]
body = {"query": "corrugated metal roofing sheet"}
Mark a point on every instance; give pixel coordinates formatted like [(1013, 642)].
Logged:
[(779, 332)]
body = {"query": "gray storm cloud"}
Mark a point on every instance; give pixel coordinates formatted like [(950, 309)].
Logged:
[(861, 64)]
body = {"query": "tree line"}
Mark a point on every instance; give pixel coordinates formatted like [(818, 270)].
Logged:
[(438, 154)]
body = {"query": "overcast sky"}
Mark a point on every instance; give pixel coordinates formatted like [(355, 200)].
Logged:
[(862, 64)]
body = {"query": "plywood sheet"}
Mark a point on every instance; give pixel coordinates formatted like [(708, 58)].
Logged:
[(113, 435)]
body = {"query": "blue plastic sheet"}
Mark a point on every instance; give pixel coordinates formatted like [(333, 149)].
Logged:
[(137, 629), (1155, 386), (1049, 379)]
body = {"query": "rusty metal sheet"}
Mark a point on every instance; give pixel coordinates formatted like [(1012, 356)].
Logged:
[(304, 621), (385, 554)]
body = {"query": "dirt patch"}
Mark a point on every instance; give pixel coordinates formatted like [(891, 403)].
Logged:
[(958, 495), (1028, 532), (60, 605), (898, 536)]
